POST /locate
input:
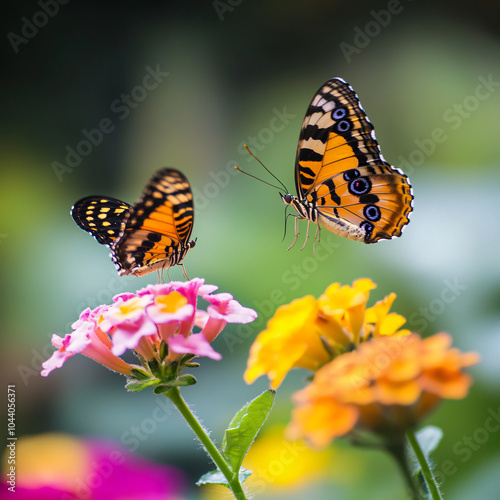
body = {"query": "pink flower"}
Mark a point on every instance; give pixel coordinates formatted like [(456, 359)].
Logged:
[(143, 322), (87, 339), (224, 309), (194, 344), (172, 312), (127, 322), (155, 290)]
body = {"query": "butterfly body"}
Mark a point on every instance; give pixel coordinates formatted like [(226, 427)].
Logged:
[(343, 182), (308, 211), (153, 234)]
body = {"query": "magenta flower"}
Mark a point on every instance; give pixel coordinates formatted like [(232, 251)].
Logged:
[(57, 466), (158, 324)]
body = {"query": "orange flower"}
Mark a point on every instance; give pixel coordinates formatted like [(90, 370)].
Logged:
[(308, 333), (386, 386)]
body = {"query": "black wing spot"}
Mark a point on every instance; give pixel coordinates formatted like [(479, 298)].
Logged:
[(369, 198), (360, 186), (307, 154)]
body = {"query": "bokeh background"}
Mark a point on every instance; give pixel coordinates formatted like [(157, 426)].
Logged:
[(232, 72)]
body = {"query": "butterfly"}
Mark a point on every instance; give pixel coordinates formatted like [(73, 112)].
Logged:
[(343, 182), (151, 235)]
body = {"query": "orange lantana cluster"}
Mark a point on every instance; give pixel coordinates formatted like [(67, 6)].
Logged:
[(385, 386), (369, 374)]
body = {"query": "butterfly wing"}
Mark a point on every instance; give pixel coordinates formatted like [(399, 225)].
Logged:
[(158, 227), (101, 217), (339, 168)]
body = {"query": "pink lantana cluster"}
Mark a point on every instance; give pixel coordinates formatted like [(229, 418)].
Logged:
[(141, 321)]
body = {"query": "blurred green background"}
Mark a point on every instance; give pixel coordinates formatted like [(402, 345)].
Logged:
[(428, 77)]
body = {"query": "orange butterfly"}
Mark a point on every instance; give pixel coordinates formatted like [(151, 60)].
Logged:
[(343, 182), (151, 235)]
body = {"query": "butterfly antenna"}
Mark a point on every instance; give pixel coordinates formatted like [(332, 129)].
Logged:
[(259, 179)]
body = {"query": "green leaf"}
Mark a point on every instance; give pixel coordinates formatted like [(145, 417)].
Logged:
[(140, 373), (244, 474), (213, 477), (155, 367), (162, 389), (216, 477), (428, 438), (187, 357), (163, 350), (244, 427), (182, 381), (139, 385)]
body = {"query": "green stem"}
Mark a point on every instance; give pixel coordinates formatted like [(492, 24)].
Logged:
[(424, 465), (397, 450), (232, 477)]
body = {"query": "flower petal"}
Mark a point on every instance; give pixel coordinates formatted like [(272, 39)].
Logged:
[(128, 334), (194, 344)]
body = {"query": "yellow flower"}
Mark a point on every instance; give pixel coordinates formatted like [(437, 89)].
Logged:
[(378, 320), (386, 386), (345, 306), (308, 333), (279, 464), (289, 341)]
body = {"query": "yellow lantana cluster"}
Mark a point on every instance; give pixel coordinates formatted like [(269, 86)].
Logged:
[(308, 333)]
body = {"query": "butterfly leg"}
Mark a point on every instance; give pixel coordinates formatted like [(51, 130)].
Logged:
[(317, 236), (307, 235), (184, 271), (296, 232)]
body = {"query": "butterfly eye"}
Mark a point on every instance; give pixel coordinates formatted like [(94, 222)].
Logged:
[(360, 186), (367, 226), (339, 113), (372, 212), (343, 126), (349, 175), (288, 198)]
